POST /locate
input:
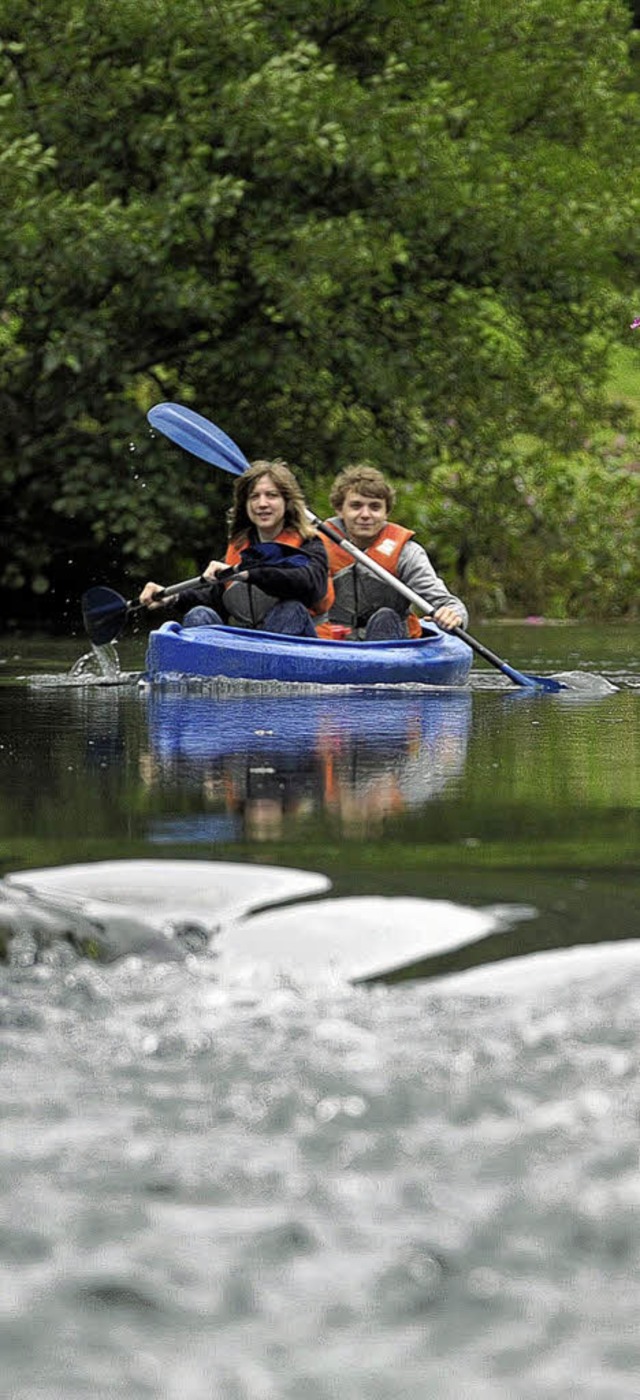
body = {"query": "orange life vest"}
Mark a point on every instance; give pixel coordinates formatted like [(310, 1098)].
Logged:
[(233, 556), (386, 550)]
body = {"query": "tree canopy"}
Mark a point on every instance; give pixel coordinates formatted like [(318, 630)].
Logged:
[(351, 230)]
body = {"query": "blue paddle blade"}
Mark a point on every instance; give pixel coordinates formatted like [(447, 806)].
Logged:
[(198, 436), (533, 682), (104, 614)]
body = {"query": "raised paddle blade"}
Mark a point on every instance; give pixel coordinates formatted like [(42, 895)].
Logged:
[(104, 613), (198, 436)]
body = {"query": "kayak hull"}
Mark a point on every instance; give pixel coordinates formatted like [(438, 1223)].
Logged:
[(233, 653)]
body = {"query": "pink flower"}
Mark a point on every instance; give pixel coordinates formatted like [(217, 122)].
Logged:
[(635, 323)]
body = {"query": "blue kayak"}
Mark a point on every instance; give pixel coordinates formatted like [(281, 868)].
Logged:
[(234, 653)]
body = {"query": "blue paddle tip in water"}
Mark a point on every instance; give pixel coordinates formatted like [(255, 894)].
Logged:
[(528, 682)]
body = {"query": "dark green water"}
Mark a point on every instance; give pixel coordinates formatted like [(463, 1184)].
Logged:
[(229, 1167), (490, 794)]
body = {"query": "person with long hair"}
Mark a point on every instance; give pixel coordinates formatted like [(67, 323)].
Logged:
[(275, 573)]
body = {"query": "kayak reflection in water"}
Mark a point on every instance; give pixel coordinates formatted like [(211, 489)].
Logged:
[(372, 610), (275, 573)]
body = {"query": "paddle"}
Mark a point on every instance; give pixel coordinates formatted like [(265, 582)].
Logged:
[(203, 439), (105, 612)]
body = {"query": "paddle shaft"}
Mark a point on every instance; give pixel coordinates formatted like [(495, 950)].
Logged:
[(171, 591), (174, 589)]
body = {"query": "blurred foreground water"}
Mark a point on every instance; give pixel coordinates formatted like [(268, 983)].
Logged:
[(230, 1167)]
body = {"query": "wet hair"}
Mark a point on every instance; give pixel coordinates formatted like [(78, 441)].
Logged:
[(295, 517), (367, 480)]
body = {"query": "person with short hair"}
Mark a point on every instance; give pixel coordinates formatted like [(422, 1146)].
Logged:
[(281, 579), (371, 609)]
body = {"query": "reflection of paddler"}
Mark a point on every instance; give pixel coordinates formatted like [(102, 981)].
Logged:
[(267, 790), (359, 804), (337, 753), (366, 781)]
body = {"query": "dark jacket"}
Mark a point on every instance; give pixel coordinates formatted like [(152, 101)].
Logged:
[(305, 583)]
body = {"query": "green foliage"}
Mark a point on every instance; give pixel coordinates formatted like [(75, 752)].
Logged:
[(402, 233)]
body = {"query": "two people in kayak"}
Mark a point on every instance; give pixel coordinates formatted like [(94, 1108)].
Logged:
[(277, 575)]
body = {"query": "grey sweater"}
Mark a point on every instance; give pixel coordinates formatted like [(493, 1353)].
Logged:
[(359, 593)]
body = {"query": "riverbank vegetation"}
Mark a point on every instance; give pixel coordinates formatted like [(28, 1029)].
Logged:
[(402, 234)]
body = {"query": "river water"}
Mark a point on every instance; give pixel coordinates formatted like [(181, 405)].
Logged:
[(319, 1032)]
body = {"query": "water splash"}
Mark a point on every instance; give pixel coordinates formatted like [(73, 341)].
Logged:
[(585, 683), (100, 662), (98, 667)]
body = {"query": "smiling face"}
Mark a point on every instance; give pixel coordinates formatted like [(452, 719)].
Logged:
[(364, 517), (266, 507)]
